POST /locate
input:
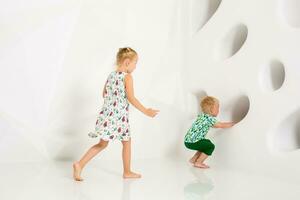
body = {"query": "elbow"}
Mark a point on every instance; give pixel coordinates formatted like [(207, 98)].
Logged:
[(131, 100)]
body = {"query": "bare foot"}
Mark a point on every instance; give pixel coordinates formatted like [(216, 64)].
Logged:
[(76, 172), (200, 165), (206, 165), (131, 175)]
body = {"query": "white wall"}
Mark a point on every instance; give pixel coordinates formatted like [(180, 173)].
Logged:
[(55, 59), (56, 55), (247, 55)]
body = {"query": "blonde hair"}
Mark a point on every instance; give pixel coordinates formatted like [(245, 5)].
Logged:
[(207, 104), (125, 53)]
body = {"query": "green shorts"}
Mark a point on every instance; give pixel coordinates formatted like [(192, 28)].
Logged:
[(204, 145)]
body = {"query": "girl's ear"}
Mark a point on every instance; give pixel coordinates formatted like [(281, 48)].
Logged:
[(127, 61)]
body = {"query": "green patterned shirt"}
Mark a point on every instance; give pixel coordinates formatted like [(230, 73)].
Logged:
[(200, 128)]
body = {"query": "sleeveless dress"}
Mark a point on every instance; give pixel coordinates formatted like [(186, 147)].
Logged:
[(113, 119)]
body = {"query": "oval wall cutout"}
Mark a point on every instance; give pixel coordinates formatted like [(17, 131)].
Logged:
[(289, 11), (235, 110), (201, 12), (231, 42), (287, 134), (272, 76)]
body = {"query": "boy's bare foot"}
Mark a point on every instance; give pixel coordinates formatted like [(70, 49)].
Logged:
[(200, 165), (76, 172), (206, 165), (131, 175)]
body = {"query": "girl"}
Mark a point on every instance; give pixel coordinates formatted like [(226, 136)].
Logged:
[(195, 137), (113, 122)]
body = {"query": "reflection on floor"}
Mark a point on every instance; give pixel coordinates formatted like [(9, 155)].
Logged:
[(162, 180)]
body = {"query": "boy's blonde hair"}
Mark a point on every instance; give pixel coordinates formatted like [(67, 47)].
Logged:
[(207, 104), (125, 53)]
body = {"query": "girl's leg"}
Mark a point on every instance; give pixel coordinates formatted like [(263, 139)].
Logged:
[(126, 155), (79, 165), (195, 157)]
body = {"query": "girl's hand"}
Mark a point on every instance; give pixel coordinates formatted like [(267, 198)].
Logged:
[(131, 98), (232, 123), (151, 112)]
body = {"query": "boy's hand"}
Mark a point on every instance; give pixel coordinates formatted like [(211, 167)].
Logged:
[(224, 124), (151, 112)]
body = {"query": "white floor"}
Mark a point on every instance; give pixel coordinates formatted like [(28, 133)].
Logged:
[(162, 179)]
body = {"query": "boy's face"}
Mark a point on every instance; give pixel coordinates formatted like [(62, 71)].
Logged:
[(215, 109)]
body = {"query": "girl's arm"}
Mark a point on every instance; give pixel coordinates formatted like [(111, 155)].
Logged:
[(131, 98), (104, 89), (224, 124)]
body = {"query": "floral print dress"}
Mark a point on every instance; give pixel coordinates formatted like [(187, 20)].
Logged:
[(113, 119)]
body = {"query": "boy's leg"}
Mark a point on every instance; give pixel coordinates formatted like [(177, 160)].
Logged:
[(195, 157), (193, 146), (208, 147), (199, 162), (126, 155)]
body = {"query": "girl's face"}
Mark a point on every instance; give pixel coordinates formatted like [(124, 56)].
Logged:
[(131, 64), (215, 109)]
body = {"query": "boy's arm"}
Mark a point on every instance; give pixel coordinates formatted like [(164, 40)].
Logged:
[(224, 124)]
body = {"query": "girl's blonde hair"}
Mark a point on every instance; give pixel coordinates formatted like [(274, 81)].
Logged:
[(207, 104), (125, 53)]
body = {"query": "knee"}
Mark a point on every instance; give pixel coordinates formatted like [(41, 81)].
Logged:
[(102, 145), (212, 146), (126, 142)]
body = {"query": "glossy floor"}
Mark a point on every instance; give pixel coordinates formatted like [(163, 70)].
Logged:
[(162, 179)]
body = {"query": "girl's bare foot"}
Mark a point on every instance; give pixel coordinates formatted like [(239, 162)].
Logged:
[(200, 165), (131, 175), (76, 172)]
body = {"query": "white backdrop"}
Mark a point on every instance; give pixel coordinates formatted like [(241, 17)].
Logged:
[(55, 56)]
